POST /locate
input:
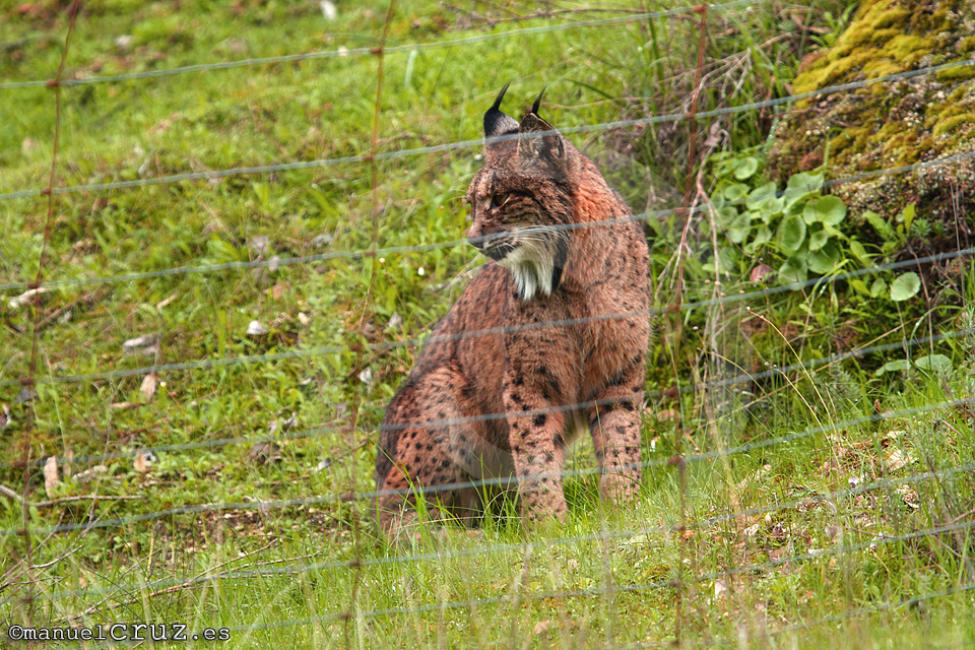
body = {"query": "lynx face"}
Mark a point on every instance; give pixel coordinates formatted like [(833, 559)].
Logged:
[(521, 200)]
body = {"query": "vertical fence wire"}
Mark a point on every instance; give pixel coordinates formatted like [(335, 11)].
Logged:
[(351, 618), (29, 383)]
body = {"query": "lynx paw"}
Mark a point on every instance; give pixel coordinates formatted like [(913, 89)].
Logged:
[(619, 488)]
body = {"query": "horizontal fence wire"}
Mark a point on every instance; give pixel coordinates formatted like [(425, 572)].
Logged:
[(756, 568), (486, 549), (500, 482), (364, 51), (466, 144), (324, 430), (386, 347)]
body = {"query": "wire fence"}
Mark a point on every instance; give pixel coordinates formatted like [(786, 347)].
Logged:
[(327, 429), (717, 459)]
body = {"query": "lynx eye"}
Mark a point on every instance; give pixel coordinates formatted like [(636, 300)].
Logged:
[(497, 200)]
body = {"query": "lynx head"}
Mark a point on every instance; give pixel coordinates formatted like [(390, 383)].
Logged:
[(521, 199)]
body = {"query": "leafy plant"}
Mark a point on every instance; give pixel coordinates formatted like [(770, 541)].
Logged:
[(801, 231)]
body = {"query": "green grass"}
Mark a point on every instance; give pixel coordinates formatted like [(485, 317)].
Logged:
[(568, 585)]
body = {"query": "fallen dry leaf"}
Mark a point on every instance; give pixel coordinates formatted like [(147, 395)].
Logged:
[(51, 480), (263, 453), (90, 473), (145, 344), (143, 461), (148, 387), (895, 459), (26, 298), (66, 470), (759, 273), (720, 589), (165, 302), (909, 496)]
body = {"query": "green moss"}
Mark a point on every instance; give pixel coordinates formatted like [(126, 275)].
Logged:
[(945, 127), (957, 74), (888, 124), (881, 40)]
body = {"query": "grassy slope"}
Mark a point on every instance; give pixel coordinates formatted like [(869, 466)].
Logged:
[(324, 108)]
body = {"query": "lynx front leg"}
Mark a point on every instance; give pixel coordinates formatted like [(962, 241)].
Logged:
[(536, 428), (615, 422)]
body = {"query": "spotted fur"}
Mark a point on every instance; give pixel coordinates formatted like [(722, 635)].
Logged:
[(486, 405)]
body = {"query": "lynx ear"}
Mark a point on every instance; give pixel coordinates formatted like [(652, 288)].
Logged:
[(497, 123), (539, 139)]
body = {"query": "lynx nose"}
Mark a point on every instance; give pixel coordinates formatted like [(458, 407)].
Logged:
[(476, 239)]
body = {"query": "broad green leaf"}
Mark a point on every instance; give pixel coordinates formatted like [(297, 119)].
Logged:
[(792, 232), (817, 239), (793, 270), (727, 216), (806, 181), (938, 363), (736, 192), (763, 235), (879, 224), (739, 229), (905, 287), (878, 288), (825, 209), (760, 195), (893, 366), (825, 260), (801, 186), (746, 168), (907, 216)]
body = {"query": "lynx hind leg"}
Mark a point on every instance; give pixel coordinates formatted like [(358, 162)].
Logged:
[(615, 424), (429, 443)]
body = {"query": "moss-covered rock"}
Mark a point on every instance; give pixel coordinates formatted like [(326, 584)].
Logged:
[(891, 124)]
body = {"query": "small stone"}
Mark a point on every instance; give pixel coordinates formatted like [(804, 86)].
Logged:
[(255, 328)]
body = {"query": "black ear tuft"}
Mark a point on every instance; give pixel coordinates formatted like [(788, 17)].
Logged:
[(538, 102), (496, 106), (497, 123)]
